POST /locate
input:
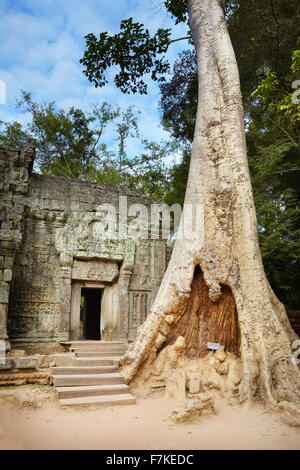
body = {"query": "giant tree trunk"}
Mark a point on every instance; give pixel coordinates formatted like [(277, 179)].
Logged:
[(217, 290)]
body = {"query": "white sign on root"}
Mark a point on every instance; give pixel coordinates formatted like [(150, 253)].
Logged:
[(213, 346)]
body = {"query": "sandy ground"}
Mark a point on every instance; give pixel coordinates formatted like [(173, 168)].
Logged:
[(140, 426)]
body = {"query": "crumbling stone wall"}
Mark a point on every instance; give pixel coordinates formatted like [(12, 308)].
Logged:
[(53, 240), (15, 170)]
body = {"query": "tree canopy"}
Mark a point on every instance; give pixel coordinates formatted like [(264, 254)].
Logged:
[(71, 143)]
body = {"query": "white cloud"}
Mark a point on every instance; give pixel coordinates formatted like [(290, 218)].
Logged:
[(42, 43)]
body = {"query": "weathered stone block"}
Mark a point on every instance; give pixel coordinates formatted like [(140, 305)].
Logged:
[(7, 225), (193, 409), (3, 312), (6, 198), (194, 385), (7, 275), (62, 360), (9, 244), (9, 262), (5, 363), (6, 234), (66, 260), (4, 292), (176, 385), (22, 377), (23, 175), (17, 353), (29, 362)]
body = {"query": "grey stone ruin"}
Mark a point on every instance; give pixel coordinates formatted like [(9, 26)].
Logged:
[(53, 261)]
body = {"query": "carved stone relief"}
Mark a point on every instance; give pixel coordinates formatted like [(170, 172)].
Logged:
[(95, 270)]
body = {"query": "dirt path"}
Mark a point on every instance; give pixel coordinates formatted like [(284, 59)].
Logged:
[(140, 426)]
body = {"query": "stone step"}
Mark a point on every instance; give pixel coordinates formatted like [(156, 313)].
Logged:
[(97, 361), (101, 351), (92, 390), (93, 379), (87, 379), (75, 370), (92, 353), (99, 347), (122, 399), (91, 342)]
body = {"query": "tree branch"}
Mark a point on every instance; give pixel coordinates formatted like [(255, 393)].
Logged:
[(283, 130), (180, 39)]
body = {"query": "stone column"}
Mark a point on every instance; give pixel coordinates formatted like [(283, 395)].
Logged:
[(6, 263), (4, 295), (65, 305), (75, 311), (15, 170), (123, 320)]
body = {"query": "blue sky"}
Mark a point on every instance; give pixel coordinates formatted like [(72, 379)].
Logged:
[(42, 42)]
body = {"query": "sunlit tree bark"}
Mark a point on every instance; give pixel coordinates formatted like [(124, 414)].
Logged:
[(221, 275)]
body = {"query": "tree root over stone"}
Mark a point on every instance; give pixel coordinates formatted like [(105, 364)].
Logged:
[(179, 376), (201, 405), (219, 373)]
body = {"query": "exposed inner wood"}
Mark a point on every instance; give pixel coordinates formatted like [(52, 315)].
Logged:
[(206, 321)]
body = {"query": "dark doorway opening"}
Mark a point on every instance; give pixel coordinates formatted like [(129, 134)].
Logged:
[(90, 312)]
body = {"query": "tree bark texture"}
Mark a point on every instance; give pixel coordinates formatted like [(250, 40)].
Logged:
[(217, 290)]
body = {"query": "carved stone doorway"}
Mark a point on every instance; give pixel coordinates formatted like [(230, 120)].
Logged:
[(90, 313), (86, 310)]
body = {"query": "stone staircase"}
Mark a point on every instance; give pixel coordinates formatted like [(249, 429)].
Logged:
[(94, 377)]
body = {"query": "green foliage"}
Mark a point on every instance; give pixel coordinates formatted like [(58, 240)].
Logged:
[(127, 127), (264, 34), (178, 8), (148, 173), (278, 213), (178, 101), (276, 102), (178, 180), (274, 157), (70, 144), (133, 50), (296, 59), (266, 87), (12, 134)]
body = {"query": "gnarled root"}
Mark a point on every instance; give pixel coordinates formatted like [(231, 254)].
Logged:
[(262, 337), (275, 380)]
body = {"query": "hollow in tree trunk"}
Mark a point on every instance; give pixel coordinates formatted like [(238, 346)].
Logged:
[(215, 288)]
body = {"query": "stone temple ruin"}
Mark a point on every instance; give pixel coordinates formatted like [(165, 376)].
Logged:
[(64, 279), (59, 280)]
